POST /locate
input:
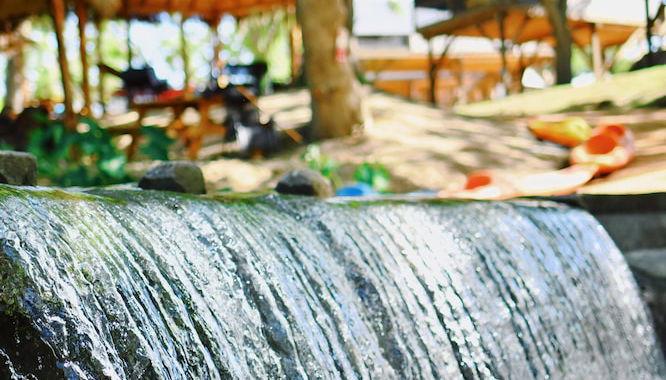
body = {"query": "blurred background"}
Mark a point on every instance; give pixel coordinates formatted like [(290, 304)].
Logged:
[(399, 95)]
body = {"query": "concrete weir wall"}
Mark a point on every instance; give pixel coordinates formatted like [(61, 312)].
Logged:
[(637, 224)]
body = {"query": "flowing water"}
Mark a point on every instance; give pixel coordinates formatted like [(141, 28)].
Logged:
[(145, 285)]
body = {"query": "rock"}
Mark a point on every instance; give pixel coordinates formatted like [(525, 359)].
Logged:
[(18, 168), (177, 176), (305, 182), (649, 262), (649, 268)]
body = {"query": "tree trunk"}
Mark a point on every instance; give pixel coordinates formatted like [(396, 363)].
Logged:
[(336, 93), (557, 15)]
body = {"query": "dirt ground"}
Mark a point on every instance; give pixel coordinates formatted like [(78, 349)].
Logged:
[(428, 148)]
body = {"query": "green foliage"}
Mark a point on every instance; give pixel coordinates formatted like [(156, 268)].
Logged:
[(157, 143), (327, 166), (373, 174), (266, 37), (395, 6), (77, 158), (622, 66), (579, 61)]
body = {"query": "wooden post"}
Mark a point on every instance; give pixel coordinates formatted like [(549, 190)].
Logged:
[(597, 53), (217, 45), (435, 65), (58, 15), (130, 55), (648, 32), (183, 52), (295, 44), (99, 25), (432, 73), (501, 17), (82, 14)]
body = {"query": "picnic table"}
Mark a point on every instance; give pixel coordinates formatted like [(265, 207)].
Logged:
[(190, 135)]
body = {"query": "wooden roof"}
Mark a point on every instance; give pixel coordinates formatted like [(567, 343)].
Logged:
[(206, 9), (13, 11), (522, 24)]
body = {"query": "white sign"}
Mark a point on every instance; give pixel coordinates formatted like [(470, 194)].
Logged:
[(383, 17)]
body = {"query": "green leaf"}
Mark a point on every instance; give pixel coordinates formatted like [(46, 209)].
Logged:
[(373, 174), (157, 143), (71, 158)]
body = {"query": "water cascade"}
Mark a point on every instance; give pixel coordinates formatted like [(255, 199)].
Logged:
[(124, 284)]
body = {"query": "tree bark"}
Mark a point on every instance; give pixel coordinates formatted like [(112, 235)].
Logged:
[(336, 93), (557, 15)]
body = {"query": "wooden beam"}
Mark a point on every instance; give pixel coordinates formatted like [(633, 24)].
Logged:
[(235, 8), (191, 9), (501, 18), (130, 55), (597, 52), (217, 45), (81, 10), (295, 47), (183, 53), (58, 15), (99, 25), (435, 65), (521, 28), (432, 72), (648, 33), (470, 17)]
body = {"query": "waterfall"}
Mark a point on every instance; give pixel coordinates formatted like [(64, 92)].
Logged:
[(128, 284)]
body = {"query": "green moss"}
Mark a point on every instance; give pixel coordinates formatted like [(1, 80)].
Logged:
[(250, 197), (124, 196), (394, 200), (51, 193), (13, 282)]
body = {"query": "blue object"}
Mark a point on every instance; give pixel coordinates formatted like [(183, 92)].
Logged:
[(356, 190)]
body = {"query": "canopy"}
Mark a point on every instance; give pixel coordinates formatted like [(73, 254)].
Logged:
[(206, 9), (524, 23), (13, 11)]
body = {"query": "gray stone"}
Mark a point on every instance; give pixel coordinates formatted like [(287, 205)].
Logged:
[(634, 221), (18, 168), (305, 182), (648, 262), (649, 268), (177, 176)]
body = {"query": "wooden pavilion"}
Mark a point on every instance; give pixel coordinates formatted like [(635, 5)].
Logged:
[(515, 23), (12, 12), (468, 76)]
